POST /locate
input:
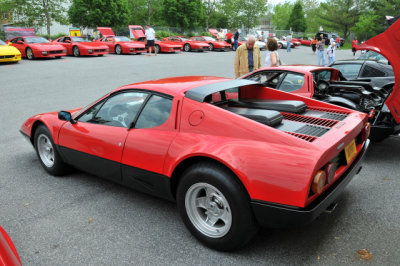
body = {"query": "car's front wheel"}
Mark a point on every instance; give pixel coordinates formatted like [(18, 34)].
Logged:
[(76, 51), (118, 49), (47, 152), (211, 48), (29, 53), (157, 48), (187, 47), (215, 207)]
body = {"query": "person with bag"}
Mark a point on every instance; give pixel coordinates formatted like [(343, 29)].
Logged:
[(314, 44), (272, 59), (320, 52)]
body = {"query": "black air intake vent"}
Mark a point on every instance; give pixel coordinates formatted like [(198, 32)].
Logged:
[(311, 130)]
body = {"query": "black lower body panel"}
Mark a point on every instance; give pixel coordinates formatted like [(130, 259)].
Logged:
[(275, 215)]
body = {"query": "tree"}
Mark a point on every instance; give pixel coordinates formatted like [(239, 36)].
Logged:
[(251, 10), (341, 15), (381, 9), (281, 15), (210, 7), (311, 10), (93, 13), (186, 14), (145, 11), (364, 28), (297, 21), (37, 13)]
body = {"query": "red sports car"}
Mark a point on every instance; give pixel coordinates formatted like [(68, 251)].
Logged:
[(189, 45), (8, 252), (123, 45), (233, 154), (81, 46), (305, 41), (37, 47), (213, 43)]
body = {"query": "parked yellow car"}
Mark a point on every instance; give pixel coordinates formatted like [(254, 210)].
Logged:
[(9, 53)]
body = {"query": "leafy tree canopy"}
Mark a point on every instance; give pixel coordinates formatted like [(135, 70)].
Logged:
[(297, 21)]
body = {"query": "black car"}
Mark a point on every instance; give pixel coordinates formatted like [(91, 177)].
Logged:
[(374, 56), (378, 74), (328, 35)]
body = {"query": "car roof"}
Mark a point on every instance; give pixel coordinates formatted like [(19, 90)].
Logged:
[(175, 85)]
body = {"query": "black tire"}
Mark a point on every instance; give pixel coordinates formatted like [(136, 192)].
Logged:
[(58, 57), (101, 55), (53, 163), (229, 190), (118, 49), (233, 48), (29, 53), (211, 48), (187, 47), (157, 49), (75, 51), (280, 46)]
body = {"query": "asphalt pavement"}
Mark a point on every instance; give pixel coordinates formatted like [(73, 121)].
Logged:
[(80, 219)]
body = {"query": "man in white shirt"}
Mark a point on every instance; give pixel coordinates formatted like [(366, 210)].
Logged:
[(150, 36)]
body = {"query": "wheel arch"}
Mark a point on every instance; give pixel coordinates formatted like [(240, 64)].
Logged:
[(35, 126), (188, 162)]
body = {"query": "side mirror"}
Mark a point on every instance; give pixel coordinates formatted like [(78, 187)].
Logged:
[(67, 41), (20, 42), (66, 116)]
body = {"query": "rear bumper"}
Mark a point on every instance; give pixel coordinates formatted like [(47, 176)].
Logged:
[(276, 215)]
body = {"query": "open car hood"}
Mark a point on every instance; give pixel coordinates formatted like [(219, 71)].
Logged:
[(387, 44), (106, 31), (137, 31), (213, 32)]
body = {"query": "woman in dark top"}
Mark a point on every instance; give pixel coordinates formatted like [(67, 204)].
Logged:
[(314, 44)]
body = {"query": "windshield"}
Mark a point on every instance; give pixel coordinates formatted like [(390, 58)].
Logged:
[(209, 38), (79, 39), (122, 39), (349, 71), (2, 43), (372, 55), (36, 40), (183, 39)]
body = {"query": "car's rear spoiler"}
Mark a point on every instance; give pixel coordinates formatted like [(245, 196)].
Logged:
[(200, 93)]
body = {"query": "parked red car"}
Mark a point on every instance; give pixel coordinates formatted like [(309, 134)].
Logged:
[(213, 43), (37, 47), (8, 252), (161, 46), (189, 45), (120, 44), (81, 46), (233, 154), (305, 41)]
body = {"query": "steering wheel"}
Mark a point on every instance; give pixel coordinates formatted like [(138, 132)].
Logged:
[(321, 86), (121, 114)]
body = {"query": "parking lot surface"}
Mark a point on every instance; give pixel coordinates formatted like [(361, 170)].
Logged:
[(80, 219)]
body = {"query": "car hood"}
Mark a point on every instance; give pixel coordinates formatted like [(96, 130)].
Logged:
[(133, 44), (169, 44), (91, 45), (47, 46), (106, 31), (6, 50), (137, 31), (387, 44)]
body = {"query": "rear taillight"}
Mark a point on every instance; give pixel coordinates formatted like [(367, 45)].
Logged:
[(366, 131), (330, 170), (319, 182)]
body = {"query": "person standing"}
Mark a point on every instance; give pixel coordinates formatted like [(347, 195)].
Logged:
[(320, 52), (229, 37), (354, 44), (272, 59), (262, 37), (236, 39), (314, 44), (221, 35), (331, 53), (331, 40), (337, 42), (247, 57), (289, 42), (150, 35)]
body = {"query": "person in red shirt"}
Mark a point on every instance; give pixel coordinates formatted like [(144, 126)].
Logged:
[(354, 44), (229, 36), (337, 42)]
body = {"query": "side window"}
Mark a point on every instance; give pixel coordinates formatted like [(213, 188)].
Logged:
[(268, 78), (119, 110), (322, 75), (349, 71), (155, 113), (292, 82), (369, 71)]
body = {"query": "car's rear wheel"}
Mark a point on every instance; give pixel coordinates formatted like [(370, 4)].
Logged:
[(47, 152), (215, 207), (211, 48), (76, 51), (187, 47), (29, 53), (118, 49), (279, 46), (157, 48)]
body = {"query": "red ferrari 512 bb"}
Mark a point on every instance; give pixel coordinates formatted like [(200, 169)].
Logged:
[(81, 46), (233, 154)]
